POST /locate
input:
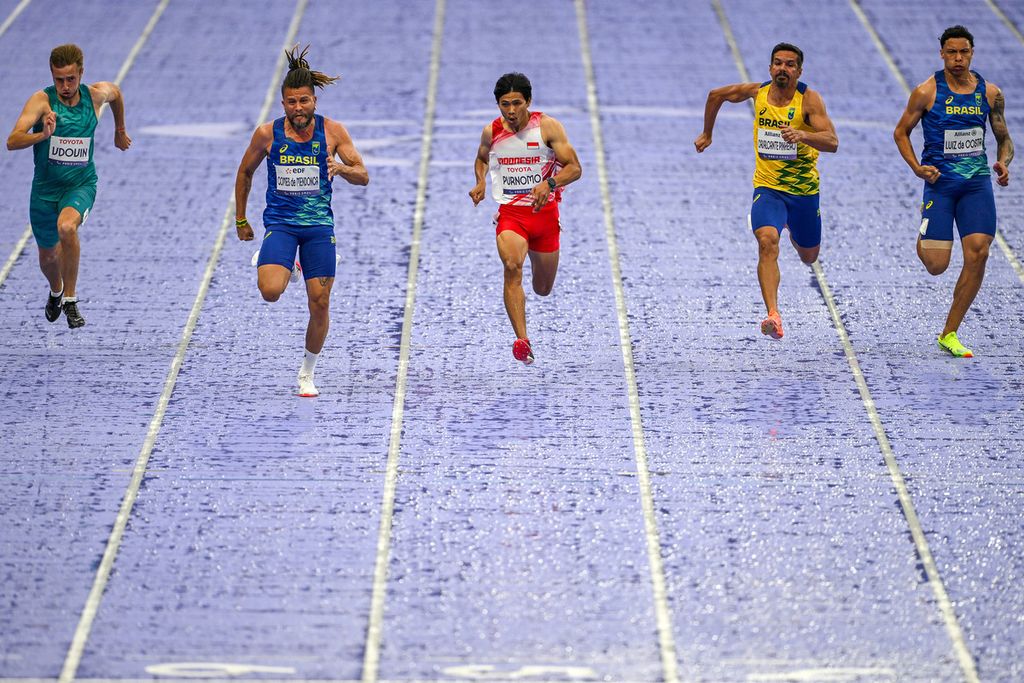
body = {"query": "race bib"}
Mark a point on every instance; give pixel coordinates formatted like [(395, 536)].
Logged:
[(69, 151), (770, 145), (298, 180), (969, 142)]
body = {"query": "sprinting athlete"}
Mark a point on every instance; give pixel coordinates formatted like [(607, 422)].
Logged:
[(59, 122), (791, 127), (953, 106), (301, 147), (530, 160)]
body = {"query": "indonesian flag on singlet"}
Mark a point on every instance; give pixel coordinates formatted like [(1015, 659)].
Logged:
[(519, 161)]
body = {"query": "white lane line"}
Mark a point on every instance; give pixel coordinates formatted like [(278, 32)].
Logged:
[(1000, 240), (953, 628), (663, 618), (13, 15), (74, 655), (1004, 246), (1005, 19), (374, 628), (129, 60)]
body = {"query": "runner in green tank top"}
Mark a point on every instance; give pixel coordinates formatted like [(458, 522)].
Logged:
[(58, 122)]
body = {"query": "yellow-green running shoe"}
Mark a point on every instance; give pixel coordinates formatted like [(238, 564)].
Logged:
[(953, 345)]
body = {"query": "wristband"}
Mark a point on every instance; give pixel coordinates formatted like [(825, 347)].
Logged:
[(241, 222), (551, 183)]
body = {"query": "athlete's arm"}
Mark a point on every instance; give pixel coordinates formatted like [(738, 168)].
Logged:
[(553, 134), (483, 153), (37, 107), (1004, 145), (254, 155), (921, 100), (105, 92), (351, 167), (823, 138), (737, 92)]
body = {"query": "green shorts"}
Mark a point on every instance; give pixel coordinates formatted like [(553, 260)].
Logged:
[(43, 213)]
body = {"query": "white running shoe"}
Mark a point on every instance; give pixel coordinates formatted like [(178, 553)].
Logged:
[(255, 258), (296, 272), (306, 387)]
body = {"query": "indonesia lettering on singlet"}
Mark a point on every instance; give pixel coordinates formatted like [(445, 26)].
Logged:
[(519, 162)]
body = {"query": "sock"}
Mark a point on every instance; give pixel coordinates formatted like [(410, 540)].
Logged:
[(70, 300), (309, 363), (56, 294)]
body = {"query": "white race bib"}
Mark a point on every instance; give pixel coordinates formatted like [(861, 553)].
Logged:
[(69, 151), (770, 145), (298, 180), (968, 142)]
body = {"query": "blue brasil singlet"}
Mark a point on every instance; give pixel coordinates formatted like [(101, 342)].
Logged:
[(64, 160), (298, 191), (954, 130)]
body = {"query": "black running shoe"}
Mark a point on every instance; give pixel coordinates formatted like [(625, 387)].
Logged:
[(53, 306), (75, 318)]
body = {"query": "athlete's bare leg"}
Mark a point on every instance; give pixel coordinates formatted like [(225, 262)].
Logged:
[(512, 249), (272, 280), (70, 250), (976, 248), (49, 263), (544, 266), (807, 254), (768, 265), (318, 293), (935, 254)]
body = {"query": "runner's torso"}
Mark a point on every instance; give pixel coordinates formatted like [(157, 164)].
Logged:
[(518, 161), (780, 165), (954, 130), (298, 190), (64, 160)]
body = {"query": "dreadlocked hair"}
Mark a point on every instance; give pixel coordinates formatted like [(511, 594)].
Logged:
[(300, 75)]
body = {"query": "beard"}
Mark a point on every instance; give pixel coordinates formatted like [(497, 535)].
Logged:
[(300, 121)]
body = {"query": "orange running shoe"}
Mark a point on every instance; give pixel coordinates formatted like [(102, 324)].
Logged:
[(772, 325), (522, 351)]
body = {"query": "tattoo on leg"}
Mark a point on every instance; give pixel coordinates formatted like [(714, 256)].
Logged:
[(323, 281)]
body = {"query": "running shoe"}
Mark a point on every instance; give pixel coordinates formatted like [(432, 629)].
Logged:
[(53, 306), (522, 351), (306, 387), (296, 272), (772, 325), (953, 345), (75, 318)]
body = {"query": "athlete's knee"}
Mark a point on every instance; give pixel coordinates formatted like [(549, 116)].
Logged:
[(976, 254), (808, 256), (935, 267), (768, 243), (48, 257), (270, 293), (320, 305), (67, 228), (513, 268), (543, 288)]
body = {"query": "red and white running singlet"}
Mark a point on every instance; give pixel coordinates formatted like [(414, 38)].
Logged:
[(519, 161)]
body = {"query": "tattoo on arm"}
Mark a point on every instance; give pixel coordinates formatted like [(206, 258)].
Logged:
[(1004, 143)]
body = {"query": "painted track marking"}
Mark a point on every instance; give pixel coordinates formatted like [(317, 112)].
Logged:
[(663, 619), (374, 628), (952, 624), (81, 635), (19, 247)]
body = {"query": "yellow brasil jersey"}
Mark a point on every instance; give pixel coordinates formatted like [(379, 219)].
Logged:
[(785, 166)]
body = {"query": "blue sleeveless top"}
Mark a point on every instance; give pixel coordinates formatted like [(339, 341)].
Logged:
[(954, 130), (298, 191), (64, 160)]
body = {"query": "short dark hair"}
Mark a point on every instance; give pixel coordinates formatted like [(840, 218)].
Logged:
[(300, 75), (789, 47), (957, 31), (513, 82), (66, 55)]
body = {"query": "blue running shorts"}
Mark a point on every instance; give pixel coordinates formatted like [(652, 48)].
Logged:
[(969, 201), (315, 244), (800, 213)]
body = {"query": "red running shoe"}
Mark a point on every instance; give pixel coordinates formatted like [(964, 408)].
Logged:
[(772, 325), (522, 351)]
